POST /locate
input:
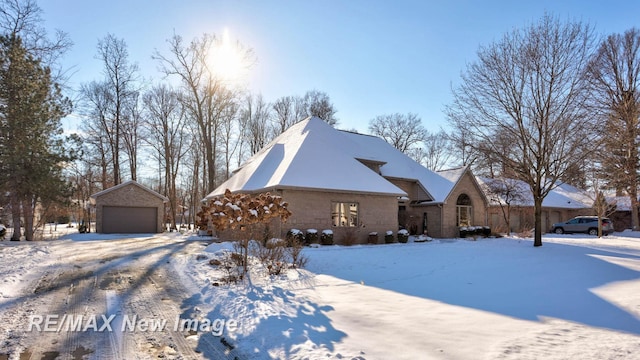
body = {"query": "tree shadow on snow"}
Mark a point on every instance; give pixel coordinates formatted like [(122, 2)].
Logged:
[(557, 281), (286, 326)]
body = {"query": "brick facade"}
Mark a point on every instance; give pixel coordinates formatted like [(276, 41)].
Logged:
[(129, 194)]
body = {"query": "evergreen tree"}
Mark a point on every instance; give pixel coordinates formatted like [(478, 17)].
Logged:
[(31, 148)]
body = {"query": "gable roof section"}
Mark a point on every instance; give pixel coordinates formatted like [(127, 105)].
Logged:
[(400, 166), (455, 176), (309, 155), (125, 184)]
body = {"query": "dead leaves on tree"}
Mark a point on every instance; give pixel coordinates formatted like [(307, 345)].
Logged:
[(234, 211)]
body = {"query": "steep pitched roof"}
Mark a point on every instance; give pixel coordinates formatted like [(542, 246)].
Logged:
[(399, 165), (125, 184), (313, 155), (309, 155)]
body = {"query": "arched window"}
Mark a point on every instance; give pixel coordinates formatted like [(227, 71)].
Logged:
[(464, 210)]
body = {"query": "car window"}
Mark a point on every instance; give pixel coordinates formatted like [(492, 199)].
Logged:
[(573, 221)]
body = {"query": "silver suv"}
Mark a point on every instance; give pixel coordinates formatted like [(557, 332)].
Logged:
[(583, 224)]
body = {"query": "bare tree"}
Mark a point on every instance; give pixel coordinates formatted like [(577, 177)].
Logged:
[(98, 132), (284, 113), (530, 85), (614, 74), (506, 193), (24, 18), (403, 131), (131, 134), (436, 152), (255, 117), (317, 103), (461, 148), (166, 133), (206, 97), (111, 104)]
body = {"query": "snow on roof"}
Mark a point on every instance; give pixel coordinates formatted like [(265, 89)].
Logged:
[(127, 183), (309, 155), (564, 196), (399, 165)]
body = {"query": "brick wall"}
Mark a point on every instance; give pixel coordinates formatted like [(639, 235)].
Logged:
[(129, 195)]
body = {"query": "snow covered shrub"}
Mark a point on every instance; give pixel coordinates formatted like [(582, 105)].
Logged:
[(388, 237), (403, 236), (275, 242), (464, 232), (243, 212), (312, 236), (233, 272), (373, 237), (295, 254), (272, 256), (486, 231), (326, 238), (295, 235)]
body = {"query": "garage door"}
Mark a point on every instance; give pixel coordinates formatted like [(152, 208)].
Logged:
[(126, 220)]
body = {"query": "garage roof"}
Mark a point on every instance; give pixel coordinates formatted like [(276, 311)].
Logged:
[(125, 184)]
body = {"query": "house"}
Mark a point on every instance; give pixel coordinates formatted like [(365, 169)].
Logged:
[(562, 203), (129, 207), (356, 184)]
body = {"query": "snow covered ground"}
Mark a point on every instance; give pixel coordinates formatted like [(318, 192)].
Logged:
[(576, 297)]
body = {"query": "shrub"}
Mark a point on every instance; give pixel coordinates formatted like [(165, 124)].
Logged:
[(486, 231), (295, 253), (312, 236), (326, 238), (295, 235), (388, 237), (403, 236), (464, 231)]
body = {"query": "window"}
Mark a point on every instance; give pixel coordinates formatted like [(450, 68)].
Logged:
[(464, 211), (344, 214)]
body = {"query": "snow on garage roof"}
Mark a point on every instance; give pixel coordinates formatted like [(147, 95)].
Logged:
[(127, 183)]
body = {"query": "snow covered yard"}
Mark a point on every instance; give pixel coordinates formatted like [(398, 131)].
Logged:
[(575, 297)]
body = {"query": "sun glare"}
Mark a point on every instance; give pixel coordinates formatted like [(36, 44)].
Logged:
[(227, 61)]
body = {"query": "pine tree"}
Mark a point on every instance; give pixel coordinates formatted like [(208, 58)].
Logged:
[(31, 150)]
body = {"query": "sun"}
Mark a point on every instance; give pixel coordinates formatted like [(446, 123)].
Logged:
[(228, 59)]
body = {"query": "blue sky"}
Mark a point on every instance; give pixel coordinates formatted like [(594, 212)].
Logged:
[(370, 57)]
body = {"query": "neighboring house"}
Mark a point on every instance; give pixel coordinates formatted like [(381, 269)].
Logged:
[(355, 184), (621, 217), (129, 208), (562, 203)]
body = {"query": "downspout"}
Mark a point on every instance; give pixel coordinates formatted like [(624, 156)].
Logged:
[(441, 220)]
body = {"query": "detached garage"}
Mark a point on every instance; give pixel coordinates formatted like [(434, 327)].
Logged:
[(129, 208)]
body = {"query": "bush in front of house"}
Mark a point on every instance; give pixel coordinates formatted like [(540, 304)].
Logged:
[(295, 235), (373, 237), (403, 236), (312, 236), (464, 231), (388, 237), (486, 231), (326, 238)]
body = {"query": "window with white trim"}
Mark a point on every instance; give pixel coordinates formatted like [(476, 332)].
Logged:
[(464, 210), (344, 214)]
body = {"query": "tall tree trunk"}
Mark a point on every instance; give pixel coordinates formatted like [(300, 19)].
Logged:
[(28, 211), (633, 195), (537, 200), (16, 217)]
